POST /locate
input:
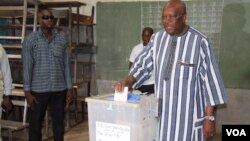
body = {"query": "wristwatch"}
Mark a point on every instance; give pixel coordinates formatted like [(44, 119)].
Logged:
[(211, 118)]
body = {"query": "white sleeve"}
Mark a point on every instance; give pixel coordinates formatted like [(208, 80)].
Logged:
[(6, 73), (132, 55)]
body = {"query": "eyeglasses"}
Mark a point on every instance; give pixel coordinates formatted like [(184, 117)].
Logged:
[(171, 17), (46, 17)]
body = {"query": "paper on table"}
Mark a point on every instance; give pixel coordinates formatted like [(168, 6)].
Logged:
[(121, 96)]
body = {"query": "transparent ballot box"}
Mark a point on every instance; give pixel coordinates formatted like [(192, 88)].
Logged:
[(134, 120)]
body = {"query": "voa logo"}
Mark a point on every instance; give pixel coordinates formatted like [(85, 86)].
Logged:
[(236, 132)]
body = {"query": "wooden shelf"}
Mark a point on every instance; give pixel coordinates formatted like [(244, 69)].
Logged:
[(84, 48), (31, 3), (16, 46), (15, 26), (64, 4)]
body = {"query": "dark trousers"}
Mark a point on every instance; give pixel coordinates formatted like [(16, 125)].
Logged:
[(56, 102), (147, 88)]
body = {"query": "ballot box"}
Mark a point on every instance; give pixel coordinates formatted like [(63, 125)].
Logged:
[(134, 120)]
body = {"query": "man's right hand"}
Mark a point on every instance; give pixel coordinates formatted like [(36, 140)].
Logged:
[(30, 99), (7, 103), (119, 86)]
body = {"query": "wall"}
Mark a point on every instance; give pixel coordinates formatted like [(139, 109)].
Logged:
[(87, 9), (236, 111), (120, 24), (89, 3), (235, 49)]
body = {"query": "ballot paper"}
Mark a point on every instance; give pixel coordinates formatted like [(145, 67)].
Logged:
[(121, 96)]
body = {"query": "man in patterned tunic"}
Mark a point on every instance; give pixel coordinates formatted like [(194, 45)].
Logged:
[(188, 83)]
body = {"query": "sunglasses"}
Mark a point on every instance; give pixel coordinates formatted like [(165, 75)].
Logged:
[(46, 17)]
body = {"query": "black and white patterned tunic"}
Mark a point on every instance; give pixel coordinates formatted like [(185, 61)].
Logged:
[(195, 83)]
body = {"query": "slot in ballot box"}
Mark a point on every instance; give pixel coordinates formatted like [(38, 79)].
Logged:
[(111, 120)]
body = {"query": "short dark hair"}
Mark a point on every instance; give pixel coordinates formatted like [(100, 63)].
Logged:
[(149, 29)]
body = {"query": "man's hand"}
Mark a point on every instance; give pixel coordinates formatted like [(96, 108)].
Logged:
[(69, 96), (69, 99), (7, 103), (209, 124), (32, 101), (208, 129), (119, 86)]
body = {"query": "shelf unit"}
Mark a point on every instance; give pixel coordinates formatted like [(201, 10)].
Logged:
[(16, 13), (22, 19)]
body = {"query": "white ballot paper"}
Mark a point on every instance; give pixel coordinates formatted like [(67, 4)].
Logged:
[(121, 96)]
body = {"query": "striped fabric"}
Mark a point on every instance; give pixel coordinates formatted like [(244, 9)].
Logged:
[(170, 58), (195, 83), (46, 65)]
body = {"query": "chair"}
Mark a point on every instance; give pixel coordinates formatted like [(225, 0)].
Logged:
[(12, 125)]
